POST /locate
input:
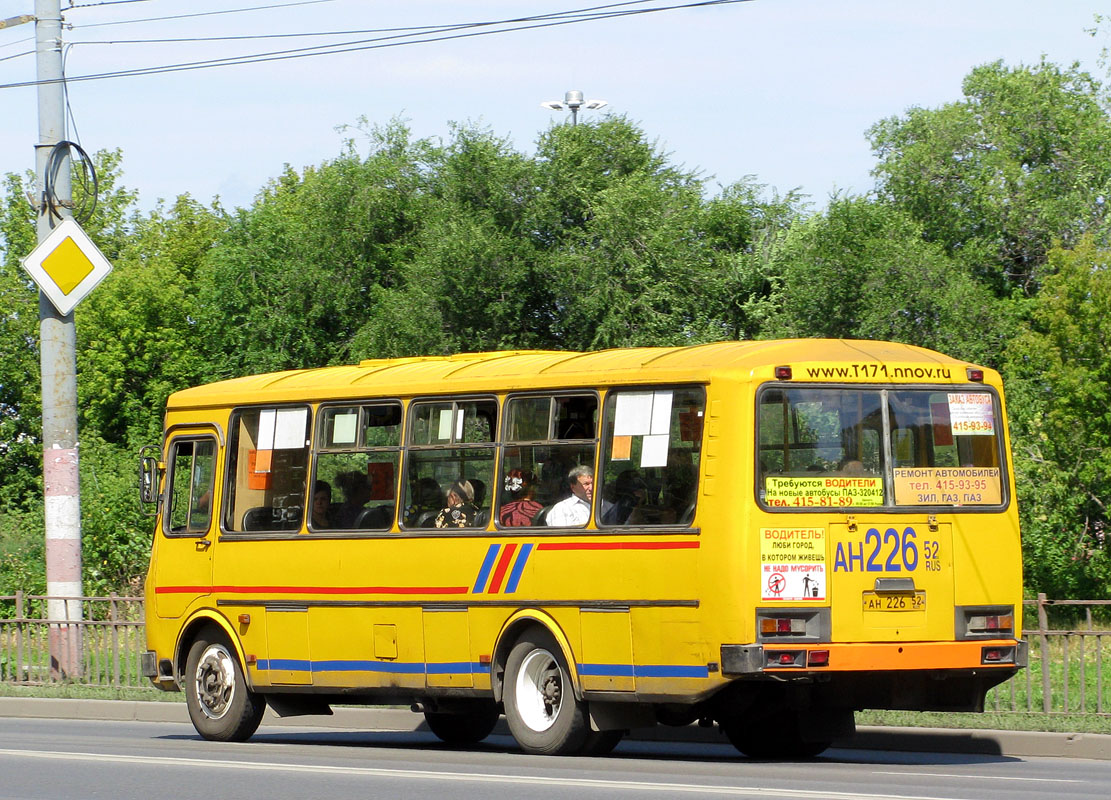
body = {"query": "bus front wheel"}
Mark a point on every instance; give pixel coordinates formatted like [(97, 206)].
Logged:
[(540, 705), (220, 705)]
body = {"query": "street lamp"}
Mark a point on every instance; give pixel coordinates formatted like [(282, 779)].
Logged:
[(574, 101)]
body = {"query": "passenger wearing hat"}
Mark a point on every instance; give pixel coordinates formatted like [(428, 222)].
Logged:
[(460, 511)]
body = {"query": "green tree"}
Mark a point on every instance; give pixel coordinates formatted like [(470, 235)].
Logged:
[(1059, 389), (20, 413), (863, 270), (997, 177), (296, 275)]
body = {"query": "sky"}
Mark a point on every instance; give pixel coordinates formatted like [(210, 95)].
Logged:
[(781, 90)]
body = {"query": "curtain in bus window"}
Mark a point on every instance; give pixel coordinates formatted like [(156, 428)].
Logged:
[(650, 461)]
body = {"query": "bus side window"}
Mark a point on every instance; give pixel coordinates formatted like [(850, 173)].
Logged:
[(450, 441), (651, 456), (192, 476), (546, 437), (268, 457), (358, 452)]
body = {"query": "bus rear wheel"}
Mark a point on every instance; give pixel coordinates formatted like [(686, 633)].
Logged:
[(781, 740), (466, 726), (220, 705), (540, 705)]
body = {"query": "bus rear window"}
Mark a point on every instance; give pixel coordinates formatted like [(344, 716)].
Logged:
[(838, 448)]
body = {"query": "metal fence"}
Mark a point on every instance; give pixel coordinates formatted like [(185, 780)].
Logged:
[(1069, 670), (108, 639), (1070, 661)]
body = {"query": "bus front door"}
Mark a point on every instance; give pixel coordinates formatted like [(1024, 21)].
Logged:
[(182, 562)]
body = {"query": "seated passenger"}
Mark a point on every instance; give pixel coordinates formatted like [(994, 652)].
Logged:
[(520, 486), (853, 467), (321, 505), (427, 500), (574, 511), (461, 510), (355, 486), (630, 493)]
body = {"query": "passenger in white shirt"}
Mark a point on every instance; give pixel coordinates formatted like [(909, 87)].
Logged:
[(574, 511)]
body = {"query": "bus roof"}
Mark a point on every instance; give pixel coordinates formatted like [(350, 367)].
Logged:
[(828, 360)]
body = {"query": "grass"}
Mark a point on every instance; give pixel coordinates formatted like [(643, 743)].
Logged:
[(990, 720)]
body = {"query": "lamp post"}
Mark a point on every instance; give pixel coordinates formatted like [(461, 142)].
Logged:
[(574, 101)]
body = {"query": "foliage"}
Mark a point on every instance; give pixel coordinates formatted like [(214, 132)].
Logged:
[(1060, 392), (862, 269), (985, 239), (996, 177)]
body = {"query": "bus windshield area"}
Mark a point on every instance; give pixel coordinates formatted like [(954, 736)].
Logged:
[(868, 447)]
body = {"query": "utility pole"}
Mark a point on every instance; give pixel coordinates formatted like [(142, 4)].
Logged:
[(57, 343)]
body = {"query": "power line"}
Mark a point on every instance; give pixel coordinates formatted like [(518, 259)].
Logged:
[(552, 20), (103, 3), (268, 7), (411, 29), (18, 55)]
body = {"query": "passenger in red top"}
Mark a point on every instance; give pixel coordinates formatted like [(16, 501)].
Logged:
[(519, 511)]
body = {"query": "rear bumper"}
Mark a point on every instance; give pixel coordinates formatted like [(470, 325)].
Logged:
[(828, 657)]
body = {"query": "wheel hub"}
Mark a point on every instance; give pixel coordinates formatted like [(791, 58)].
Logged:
[(215, 681)]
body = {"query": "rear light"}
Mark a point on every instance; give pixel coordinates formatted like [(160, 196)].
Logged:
[(985, 622), (1002, 655), (774, 659), (818, 658), (783, 373), (782, 626), (975, 374), (991, 623)]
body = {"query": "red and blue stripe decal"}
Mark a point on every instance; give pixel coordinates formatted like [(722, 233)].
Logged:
[(497, 563)]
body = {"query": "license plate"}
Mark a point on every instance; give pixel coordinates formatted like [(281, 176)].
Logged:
[(895, 601)]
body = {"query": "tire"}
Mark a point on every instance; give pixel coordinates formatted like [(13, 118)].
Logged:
[(220, 705), (540, 706), (468, 727), (600, 743), (781, 741)]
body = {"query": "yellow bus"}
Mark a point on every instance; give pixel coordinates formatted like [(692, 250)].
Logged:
[(767, 535)]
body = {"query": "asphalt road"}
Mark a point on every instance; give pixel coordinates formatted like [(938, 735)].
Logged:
[(75, 759), (926, 740)]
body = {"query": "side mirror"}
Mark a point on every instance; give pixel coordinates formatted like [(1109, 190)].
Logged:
[(150, 474)]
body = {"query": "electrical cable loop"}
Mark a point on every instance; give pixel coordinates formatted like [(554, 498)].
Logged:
[(83, 174)]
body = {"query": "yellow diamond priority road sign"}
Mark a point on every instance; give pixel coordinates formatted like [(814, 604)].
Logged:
[(66, 266)]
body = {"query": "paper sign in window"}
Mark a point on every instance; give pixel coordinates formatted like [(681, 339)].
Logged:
[(258, 479), (633, 415), (444, 433), (661, 413), (289, 428), (653, 451), (344, 427), (266, 422), (622, 449), (971, 414), (459, 425)]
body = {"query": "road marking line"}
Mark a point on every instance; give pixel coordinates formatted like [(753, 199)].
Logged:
[(554, 780), (979, 777)]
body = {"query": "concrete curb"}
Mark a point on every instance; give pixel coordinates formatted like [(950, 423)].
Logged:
[(930, 740)]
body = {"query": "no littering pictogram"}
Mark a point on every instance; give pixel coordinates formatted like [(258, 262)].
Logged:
[(776, 583)]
